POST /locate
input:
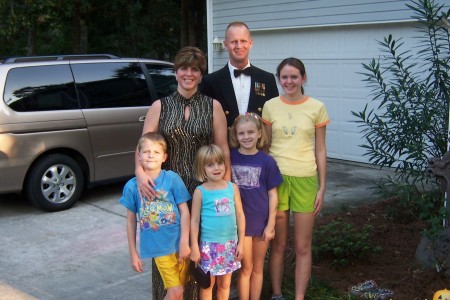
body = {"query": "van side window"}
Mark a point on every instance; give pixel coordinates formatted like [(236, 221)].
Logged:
[(163, 78), (40, 88), (107, 85)]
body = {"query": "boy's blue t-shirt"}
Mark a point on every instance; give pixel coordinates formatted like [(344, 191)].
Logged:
[(159, 220)]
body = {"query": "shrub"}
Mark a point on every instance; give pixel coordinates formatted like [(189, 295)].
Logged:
[(342, 243), (411, 121)]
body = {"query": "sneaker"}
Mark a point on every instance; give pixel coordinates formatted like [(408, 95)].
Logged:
[(363, 287), (378, 294), (277, 297)]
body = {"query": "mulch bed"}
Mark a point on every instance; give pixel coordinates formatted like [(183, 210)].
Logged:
[(395, 267)]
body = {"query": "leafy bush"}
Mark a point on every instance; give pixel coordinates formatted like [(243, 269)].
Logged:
[(342, 242), (412, 204), (411, 121)]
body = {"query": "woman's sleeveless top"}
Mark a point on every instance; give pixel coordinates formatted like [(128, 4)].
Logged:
[(183, 137)]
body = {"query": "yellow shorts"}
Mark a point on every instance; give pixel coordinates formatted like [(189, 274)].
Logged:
[(297, 194), (172, 272)]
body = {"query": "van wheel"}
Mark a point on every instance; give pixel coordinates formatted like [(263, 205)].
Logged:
[(55, 183)]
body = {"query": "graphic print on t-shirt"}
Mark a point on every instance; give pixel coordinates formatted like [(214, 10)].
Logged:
[(288, 128), (156, 213), (222, 206), (246, 177)]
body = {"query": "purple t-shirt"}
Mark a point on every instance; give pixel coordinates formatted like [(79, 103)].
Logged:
[(255, 175)]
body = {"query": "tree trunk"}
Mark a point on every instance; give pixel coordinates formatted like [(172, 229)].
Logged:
[(31, 47), (192, 29), (184, 33), (191, 25), (12, 8), (79, 30), (76, 30), (83, 36)]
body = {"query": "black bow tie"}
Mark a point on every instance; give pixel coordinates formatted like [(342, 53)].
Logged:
[(247, 71)]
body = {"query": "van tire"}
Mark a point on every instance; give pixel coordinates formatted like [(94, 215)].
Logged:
[(55, 183)]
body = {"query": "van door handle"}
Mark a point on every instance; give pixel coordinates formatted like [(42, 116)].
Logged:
[(142, 119)]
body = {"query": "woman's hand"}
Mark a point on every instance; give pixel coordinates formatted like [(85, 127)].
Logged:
[(151, 124), (145, 184)]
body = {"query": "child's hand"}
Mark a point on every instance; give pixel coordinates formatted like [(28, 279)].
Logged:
[(184, 252), (318, 203), (239, 251), (195, 255), (268, 234), (136, 263)]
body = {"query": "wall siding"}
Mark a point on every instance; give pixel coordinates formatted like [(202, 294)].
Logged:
[(270, 16), (267, 14), (333, 38)]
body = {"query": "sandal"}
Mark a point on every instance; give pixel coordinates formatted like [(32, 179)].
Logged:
[(378, 294), (365, 286)]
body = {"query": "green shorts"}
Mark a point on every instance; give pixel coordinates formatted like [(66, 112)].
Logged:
[(297, 194), (172, 272)]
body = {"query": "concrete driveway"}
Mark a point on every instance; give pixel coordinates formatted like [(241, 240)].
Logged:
[(82, 253)]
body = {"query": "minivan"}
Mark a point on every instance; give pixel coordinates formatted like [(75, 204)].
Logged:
[(67, 122)]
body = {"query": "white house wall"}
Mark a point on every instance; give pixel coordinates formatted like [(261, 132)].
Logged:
[(333, 54), (263, 14)]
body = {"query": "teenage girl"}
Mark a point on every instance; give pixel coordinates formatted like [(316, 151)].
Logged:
[(217, 203), (297, 128), (257, 176)]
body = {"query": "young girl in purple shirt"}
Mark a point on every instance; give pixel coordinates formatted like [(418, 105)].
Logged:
[(257, 176)]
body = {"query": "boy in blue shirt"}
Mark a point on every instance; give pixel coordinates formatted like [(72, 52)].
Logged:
[(164, 220)]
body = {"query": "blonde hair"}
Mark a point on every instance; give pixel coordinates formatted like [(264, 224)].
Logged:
[(205, 155), (154, 137), (262, 142)]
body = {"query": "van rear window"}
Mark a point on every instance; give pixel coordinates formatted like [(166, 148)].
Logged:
[(40, 88)]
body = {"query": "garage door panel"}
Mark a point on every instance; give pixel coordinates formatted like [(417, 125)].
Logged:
[(333, 58), (351, 150), (333, 142), (328, 73), (351, 74), (328, 43)]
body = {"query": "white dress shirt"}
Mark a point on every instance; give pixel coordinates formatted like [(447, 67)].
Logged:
[(241, 85)]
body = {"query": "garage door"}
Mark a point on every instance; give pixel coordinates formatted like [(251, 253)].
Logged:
[(333, 57)]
